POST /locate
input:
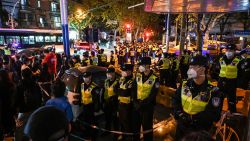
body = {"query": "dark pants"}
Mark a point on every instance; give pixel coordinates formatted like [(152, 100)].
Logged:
[(111, 118), (164, 76), (174, 77), (184, 68), (132, 59), (228, 87), (87, 118), (121, 60), (144, 118), (125, 118)]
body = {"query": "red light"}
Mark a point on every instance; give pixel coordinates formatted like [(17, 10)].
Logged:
[(147, 34), (128, 26)]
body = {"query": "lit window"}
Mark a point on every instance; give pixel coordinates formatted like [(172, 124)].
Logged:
[(57, 21), (53, 6), (23, 2), (31, 39), (1, 40), (39, 3), (41, 20), (53, 38), (47, 39), (39, 38)]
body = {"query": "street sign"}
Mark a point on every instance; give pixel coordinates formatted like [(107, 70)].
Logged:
[(242, 33)]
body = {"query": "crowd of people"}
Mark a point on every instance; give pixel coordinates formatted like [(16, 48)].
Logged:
[(127, 99)]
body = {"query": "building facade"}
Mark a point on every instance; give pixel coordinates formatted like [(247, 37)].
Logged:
[(42, 14)]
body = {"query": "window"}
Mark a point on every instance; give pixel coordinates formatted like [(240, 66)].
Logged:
[(39, 39), (25, 40), (23, 2), (57, 21), (12, 39), (53, 7), (59, 39), (1, 40), (38, 3), (47, 39), (31, 39), (53, 38)]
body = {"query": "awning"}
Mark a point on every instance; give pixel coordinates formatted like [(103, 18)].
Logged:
[(196, 6)]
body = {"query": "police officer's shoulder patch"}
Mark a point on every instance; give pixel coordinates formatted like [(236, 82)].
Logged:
[(216, 101)]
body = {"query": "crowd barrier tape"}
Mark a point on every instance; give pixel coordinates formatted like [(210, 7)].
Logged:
[(126, 133)]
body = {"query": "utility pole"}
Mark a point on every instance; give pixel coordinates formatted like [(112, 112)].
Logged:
[(167, 27), (65, 26)]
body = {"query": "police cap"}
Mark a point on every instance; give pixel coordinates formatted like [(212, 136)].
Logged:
[(199, 60), (87, 74), (127, 67), (145, 61), (231, 46), (110, 70)]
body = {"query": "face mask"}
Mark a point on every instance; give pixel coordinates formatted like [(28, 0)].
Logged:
[(243, 57), (229, 54), (124, 74), (109, 76), (192, 74), (142, 69), (86, 80)]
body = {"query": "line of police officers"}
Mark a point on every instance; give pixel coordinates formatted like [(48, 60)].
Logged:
[(128, 101)]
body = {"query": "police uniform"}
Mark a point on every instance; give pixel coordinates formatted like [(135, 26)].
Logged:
[(125, 90), (165, 64), (102, 58), (90, 104), (111, 101), (244, 72), (184, 62), (196, 107), (228, 78), (174, 72), (144, 99)]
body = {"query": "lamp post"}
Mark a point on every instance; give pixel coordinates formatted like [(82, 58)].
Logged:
[(65, 27)]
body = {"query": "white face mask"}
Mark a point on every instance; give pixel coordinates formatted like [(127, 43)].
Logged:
[(243, 57), (192, 74), (86, 80), (142, 69), (109, 76), (229, 54), (124, 74)]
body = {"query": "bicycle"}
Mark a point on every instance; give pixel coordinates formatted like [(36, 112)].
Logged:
[(223, 131)]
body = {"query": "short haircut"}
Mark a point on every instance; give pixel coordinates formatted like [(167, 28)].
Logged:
[(58, 88), (47, 124)]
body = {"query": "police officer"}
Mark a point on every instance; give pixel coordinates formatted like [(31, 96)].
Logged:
[(174, 71), (76, 59), (244, 73), (144, 99), (125, 90), (165, 64), (111, 99), (102, 58), (90, 95), (93, 59), (86, 60), (184, 63), (112, 58), (197, 104), (227, 83)]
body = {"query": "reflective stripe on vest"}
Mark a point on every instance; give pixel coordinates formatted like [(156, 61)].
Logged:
[(166, 63), (144, 89), (192, 105), (95, 60), (177, 64), (86, 94), (123, 99), (7, 52), (229, 71), (103, 58), (109, 90)]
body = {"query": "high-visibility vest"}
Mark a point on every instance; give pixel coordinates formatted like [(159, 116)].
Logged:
[(165, 63), (87, 61), (77, 65), (192, 105), (186, 59), (229, 71), (177, 64), (109, 89), (124, 99), (103, 58), (7, 52), (94, 60), (86, 94), (144, 89)]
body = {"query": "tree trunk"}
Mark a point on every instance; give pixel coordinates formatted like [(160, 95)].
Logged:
[(176, 34), (182, 40), (199, 33)]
